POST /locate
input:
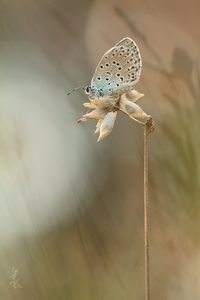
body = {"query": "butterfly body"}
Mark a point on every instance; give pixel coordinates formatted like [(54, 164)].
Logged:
[(117, 72)]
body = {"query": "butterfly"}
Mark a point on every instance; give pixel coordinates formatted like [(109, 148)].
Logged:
[(117, 72)]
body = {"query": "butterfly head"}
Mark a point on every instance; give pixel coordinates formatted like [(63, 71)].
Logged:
[(92, 92), (88, 90)]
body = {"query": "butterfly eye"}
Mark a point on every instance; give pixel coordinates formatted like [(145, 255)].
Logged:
[(87, 89)]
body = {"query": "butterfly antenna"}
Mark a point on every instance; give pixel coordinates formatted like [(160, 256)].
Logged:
[(75, 89)]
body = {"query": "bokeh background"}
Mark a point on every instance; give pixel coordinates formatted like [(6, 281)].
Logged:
[(71, 210)]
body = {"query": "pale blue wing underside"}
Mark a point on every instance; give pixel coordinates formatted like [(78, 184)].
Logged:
[(119, 69)]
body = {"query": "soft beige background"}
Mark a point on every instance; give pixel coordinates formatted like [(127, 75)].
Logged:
[(71, 210)]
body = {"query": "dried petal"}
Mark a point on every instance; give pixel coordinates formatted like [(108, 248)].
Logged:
[(132, 109), (89, 105), (98, 126), (105, 103), (134, 95), (81, 120), (97, 113), (107, 125)]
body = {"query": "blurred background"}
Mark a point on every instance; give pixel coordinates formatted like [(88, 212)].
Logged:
[(71, 210)]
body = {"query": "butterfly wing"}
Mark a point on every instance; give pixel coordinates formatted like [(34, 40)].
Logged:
[(119, 68)]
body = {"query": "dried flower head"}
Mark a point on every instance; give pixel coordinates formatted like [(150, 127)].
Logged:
[(104, 110)]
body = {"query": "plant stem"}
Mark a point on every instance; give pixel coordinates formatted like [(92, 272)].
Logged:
[(146, 217)]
